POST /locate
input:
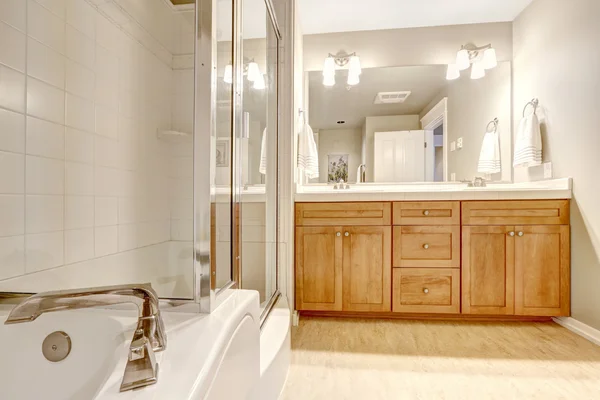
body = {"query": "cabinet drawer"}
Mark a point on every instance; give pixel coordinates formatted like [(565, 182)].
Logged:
[(523, 212), (427, 246), (353, 214), (427, 213), (426, 291)]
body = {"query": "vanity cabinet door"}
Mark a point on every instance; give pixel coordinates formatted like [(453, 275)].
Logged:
[(319, 268), (367, 271), (488, 270), (542, 270)]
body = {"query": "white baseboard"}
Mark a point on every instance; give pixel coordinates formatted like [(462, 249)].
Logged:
[(581, 329)]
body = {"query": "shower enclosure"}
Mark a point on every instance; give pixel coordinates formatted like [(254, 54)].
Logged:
[(138, 143)]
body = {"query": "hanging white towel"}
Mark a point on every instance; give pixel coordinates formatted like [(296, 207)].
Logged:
[(528, 143), (489, 157), (262, 168), (308, 156)]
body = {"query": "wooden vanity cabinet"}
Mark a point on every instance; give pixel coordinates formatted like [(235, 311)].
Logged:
[(485, 258), (516, 258), (345, 264)]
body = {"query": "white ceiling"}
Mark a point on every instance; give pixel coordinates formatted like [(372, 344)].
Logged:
[(325, 16), (327, 105)]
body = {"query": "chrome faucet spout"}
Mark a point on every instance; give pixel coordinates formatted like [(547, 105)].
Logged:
[(149, 337), (361, 173)]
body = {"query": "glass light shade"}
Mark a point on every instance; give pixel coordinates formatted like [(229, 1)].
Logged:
[(453, 72), (329, 80), (462, 60), (329, 67), (489, 59), (228, 75), (253, 71), (259, 82), (354, 66), (353, 79), (478, 71)]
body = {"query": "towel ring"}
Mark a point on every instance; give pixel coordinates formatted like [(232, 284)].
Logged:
[(534, 103), (493, 122)]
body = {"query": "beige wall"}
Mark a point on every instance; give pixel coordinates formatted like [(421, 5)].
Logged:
[(557, 60), (383, 124), (472, 104), (411, 46), (340, 141)]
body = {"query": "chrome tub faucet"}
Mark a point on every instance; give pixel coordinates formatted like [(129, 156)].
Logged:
[(148, 338)]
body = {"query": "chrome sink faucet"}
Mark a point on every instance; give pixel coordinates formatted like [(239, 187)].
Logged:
[(361, 173), (149, 336)]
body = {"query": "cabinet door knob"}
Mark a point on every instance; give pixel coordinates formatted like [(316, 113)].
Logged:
[(426, 212), (426, 246), (346, 234), (511, 234), (425, 290), (338, 234), (521, 234)]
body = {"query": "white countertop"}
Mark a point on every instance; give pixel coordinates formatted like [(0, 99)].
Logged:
[(540, 190)]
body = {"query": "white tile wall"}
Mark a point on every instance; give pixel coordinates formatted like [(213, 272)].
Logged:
[(44, 213), (44, 251), (12, 131), (14, 13), (45, 64), (12, 173), (82, 172), (12, 255), (45, 139), (45, 101), (12, 47), (12, 215), (45, 27), (12, 89)]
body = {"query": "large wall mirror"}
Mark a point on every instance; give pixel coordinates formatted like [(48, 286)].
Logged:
[(408, 105)]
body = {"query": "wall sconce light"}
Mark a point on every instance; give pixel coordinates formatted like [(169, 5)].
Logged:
[(252, 72), (481, 58), (341, 60)]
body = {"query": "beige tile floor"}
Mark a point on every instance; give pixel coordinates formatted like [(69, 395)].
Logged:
[(396, 359)]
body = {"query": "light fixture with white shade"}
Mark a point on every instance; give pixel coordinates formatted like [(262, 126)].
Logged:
[(354, 65), (341, 60), (329, 66), (453, 72), (478, 70), (353, 79), (329, 80), (253, 71), (228, 74), (462, 59), (259, 82), (481, 58), (489, 59)]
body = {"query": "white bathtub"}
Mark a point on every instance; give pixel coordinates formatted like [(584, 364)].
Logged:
[(205, 354)]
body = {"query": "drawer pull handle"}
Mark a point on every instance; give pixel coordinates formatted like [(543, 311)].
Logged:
[(425, 290), (346, 234), (521, 234), (426, 246), (511, 234), (426, 212), (338, 234)]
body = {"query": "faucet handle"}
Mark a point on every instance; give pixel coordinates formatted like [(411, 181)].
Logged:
[(137, 348)]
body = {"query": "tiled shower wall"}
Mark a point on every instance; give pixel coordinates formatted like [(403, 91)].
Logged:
[(83, 173)]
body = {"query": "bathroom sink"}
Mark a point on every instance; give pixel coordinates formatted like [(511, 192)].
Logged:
[(96, 341)]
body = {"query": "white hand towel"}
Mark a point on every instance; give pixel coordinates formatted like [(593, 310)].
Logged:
[(528, 143), (489, 158), (262, 168), (308, 156)]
